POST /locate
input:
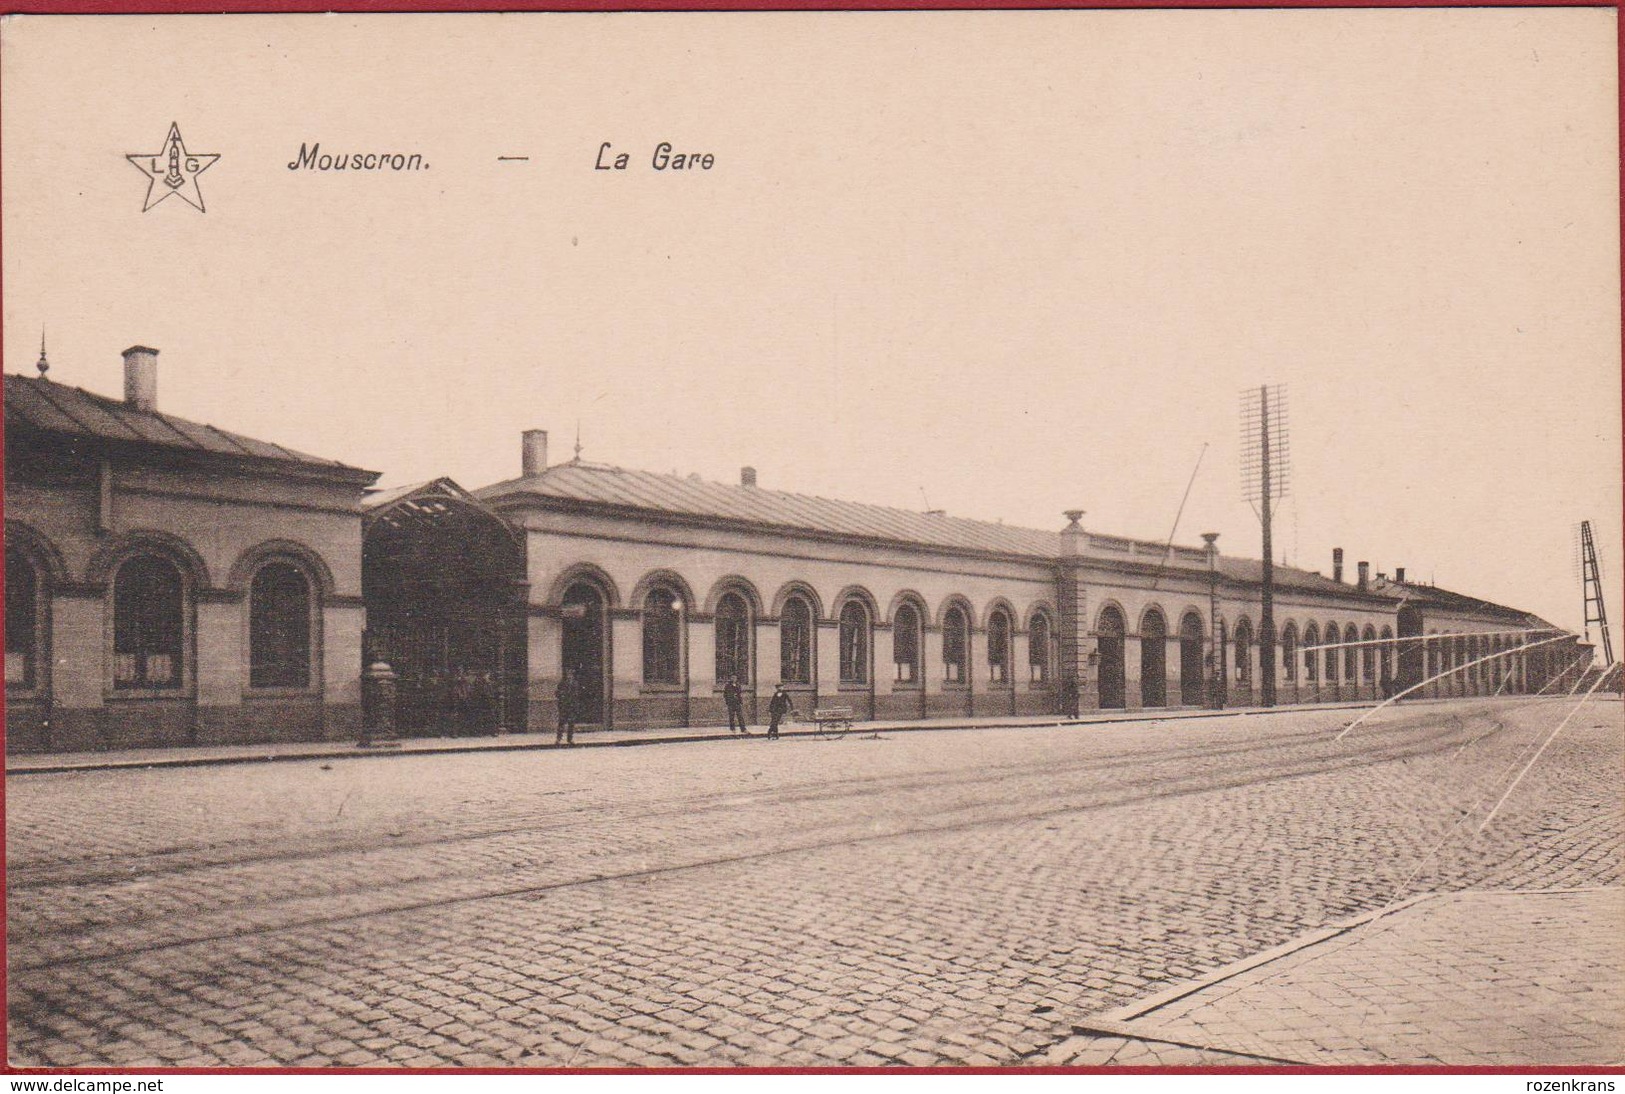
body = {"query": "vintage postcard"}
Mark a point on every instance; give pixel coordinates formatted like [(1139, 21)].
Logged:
[(813, 539)]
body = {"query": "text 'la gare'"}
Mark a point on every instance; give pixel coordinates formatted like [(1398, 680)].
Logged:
[(664, 159)]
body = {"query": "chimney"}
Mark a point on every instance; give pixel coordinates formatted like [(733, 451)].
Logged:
[(141, 378), (1365, 574), (1337, 565), (534, 453), (1399, 574), (747, 476)]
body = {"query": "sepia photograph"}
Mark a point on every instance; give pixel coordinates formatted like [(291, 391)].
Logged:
[(813, 540)]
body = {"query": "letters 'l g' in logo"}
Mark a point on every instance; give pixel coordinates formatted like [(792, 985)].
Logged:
[(173, 171)]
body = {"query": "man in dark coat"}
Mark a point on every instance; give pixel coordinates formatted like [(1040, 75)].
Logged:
[(568, 696), (734, 697), (777, 708)]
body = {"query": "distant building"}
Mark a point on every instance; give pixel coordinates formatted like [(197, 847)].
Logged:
[(169, 583)]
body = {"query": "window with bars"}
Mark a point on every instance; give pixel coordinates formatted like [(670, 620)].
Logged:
[(1038, 652), (998, 647), (954, 641), (662, 637), (854, 643), (149, 625), (22, 622), (279, 627), (795, 642), (733, 627), (906, 643)]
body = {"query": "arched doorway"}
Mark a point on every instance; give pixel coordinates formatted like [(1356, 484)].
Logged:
[(1109, 640), (1153, 660), (583, 649), (443, 578), (1190, 660)]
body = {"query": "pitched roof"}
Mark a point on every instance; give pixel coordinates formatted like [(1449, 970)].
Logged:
[(651, 492), (1251, 571), (70, 411), (674, 495), (1454, 601)]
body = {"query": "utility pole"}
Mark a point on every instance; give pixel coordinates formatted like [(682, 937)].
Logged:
[(1266, 624), (1215, 693), (1264, 471)]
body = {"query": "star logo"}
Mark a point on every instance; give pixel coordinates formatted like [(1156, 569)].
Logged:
[(172, 171)]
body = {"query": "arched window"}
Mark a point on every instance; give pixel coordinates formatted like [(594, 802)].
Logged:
[(905, 644), (1368, 653), (1311, 656), (22, 622), (1289, 651), (662, 636), (1038, 653), (1386, 655), (1331, 653), (149, 624), (854, 643), (1244, 651), (795, 642), (955, 640), (734, 627), (998, 646), (1351, 654), (279, 627)]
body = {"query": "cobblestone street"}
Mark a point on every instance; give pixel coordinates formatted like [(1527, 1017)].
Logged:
[(922, 898)]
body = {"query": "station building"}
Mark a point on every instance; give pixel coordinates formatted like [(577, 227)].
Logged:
[(170, 583)]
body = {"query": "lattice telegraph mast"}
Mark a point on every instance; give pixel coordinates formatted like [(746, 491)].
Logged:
[(1265, 473), (1591, 584)]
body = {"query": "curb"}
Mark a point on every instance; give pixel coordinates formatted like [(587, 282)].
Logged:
[(163, 758)]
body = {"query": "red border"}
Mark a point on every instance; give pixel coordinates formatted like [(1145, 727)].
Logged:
[(371, 7), (179, 7)]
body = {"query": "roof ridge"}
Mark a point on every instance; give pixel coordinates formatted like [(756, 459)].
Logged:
[(739, 487), (126, 423)]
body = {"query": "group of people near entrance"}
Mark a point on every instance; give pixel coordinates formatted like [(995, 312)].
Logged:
[(571, 696)]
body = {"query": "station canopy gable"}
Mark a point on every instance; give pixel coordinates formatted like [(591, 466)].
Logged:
[(434, 530)]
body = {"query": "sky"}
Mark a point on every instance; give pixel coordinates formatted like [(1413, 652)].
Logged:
[(1003, 264)]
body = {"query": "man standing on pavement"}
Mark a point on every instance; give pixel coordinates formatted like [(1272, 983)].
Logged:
[(735, 699), (777, 708), (566, 696)]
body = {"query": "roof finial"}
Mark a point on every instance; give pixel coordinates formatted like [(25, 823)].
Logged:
[(578, 440), (42, 364)]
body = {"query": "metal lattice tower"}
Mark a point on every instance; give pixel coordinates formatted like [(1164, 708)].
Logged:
[(1591, 583)]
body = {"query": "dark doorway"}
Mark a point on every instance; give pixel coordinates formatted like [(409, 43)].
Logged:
[(1190, 660), (1412, 659), (1110, 642), (443, 578), (1154, 660), (583, 649)]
